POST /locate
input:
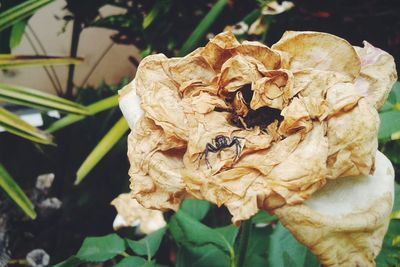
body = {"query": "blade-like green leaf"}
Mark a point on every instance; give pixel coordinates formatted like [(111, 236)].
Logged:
[(94, 108), (21, 11), (108, 141), (34, 98), (17, 31), (15, 193), (15, 61), (15, 125), (202, 28)]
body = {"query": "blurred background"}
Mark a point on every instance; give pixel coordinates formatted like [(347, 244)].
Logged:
[(81, 53)]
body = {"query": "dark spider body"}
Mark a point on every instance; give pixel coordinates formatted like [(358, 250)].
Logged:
[(221, 142)]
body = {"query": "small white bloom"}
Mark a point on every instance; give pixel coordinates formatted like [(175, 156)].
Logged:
[(44, 181), (50, 203), (239, 28), (38, 258)]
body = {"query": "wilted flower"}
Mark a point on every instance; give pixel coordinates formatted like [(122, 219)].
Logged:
[(131, 213), (272, 8), (238, 29), (38, 258), (50, 203), (291, 117), (44, 181)]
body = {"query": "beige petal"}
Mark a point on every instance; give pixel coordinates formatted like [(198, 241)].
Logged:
[(239, 104), (321, 51), (352, 141), (237, 72), (131, 212), (296, 118), (254, 50), (219, 49), (344, 223), (273, 90), (378, 74)]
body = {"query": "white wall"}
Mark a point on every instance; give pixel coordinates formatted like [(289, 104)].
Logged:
[(93, 42)]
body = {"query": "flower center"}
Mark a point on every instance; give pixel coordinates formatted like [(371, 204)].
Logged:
[(261, 117)]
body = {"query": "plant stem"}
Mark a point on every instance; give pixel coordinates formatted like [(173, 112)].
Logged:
[(76, 30), (245, 230)]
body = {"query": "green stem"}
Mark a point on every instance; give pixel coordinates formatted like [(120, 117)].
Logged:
[(245, 230)]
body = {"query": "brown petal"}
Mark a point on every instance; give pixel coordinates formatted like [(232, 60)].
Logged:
[(378, 74), (273, 90), (352, 141), (321, 51), (237, 72), (344, 223)]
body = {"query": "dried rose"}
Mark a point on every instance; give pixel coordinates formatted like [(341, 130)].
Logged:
[(303, 112), (311, 114), (131, 213)]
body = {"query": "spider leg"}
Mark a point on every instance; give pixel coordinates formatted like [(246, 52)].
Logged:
[(238, 150), (238, 146), (209, 148)]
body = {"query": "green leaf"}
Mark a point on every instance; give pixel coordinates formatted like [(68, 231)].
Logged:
[(202, 28), (105, 145), (20, 12), (263, 217), (8, 61), (36, 99), (99, 249), (159, 6), (257, 248), (131, 261), (285, 249), (389, 255), (17, 31), (93, 109), (207, 255), (70, 262), (390, 123), (189, 232), (149, 244), (13, 124), (396, 206), (197, 209), (15, 193)]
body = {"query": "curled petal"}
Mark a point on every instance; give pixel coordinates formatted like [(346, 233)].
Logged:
[(273, 90), (237, 72), (130, 213), (378, 74), (321, 51), (352, 141), (344, 223)]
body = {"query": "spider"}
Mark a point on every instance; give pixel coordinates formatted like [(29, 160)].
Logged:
[(221, 142)]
